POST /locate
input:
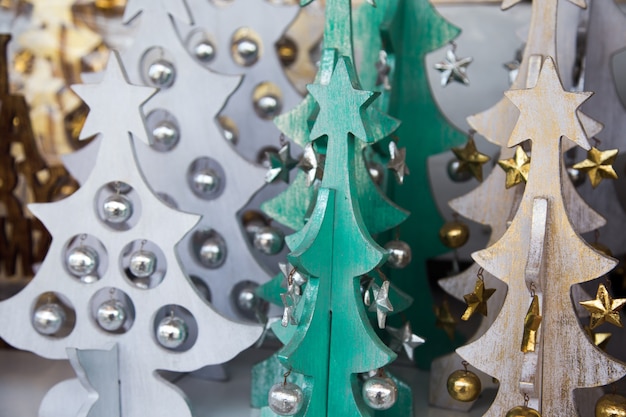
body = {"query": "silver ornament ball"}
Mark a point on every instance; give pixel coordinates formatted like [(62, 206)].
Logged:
[(111, 315), (212, 252), (162, 73), (285, 399), (268, 106), (48, 319), (172, 332), (204, 51), (576, 175), (456, 174), (82, 260), (142, 263), (399, 254), (269, 240), (247, 300), (205, 182), (117, 209), (165, 135), (248, 51), (380, 393), (376, 172)]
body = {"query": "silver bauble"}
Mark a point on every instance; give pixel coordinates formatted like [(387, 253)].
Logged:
[(247, 51), (142, 263), (111, 315), (205, 182), (269, 240), (576, 175), (82, 260), (380, 393), (399, 254), (165, 135), (376, 172), (268, 106), (212, 252), (456, 174), (117, 209), (161, 73), (285, 399), (48, 318), (171, 332), (204, 51)]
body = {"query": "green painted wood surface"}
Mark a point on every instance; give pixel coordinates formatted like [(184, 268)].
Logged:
[(416, 30)]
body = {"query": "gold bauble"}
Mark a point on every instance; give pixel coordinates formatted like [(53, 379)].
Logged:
[(464, 385), (454, 234), (611, 405), (523, 411)]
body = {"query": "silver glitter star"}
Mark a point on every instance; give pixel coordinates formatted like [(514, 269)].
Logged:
[(381, 304), (383, 69), (290, 301), (280, 164), (298, 279), (398, 161), (513, 66), (453, 68), (311, 164), (404, 338)]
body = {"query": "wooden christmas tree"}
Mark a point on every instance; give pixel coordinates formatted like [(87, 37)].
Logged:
[(111, 277), (540, 257)]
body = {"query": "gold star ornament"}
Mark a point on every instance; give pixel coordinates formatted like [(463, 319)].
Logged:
[(470, 159), (516, 168), (598, 165), (477, 300), (532, 321), (604, 308), (598, 339), (445, 319)]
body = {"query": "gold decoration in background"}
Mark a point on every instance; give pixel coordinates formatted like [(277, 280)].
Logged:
[(470, 160), (445, 319), (477, 300), (516, 168), (598, 165), (598, 339), (532, 321), (604, 309)]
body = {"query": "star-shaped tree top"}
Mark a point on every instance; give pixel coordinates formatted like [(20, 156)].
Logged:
[(105, 101), (548, 104), (342, 105)]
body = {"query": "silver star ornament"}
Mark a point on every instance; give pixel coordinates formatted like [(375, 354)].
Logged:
[(397, 163), (382, 70), (404, 338), (381, 304), (280, 164), (311, 164), (453, 68)]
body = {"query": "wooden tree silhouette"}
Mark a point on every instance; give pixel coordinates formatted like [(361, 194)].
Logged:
[(98, 226), (541, 255)]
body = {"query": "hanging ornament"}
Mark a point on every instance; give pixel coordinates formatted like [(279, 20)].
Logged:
[(611, 405), (211, 252), (292, 275), (397, 161), (382, 70), (82, 261), (454, 234), (576, 176), (522, 411), (381, 304), (111, 315), (161, 74), (532, 321), (268, 240), (399, 254), (453, 68), (477, 300), (281, 163), (285, 398), (290, 300), (172, 332), (512, 66), (376, 171), (464, 385), (455, 173), (445, 319), (516, 168), (48, 318), (470, 159), (380, 392), (604, 308), (311, 164), (404, 338), (117, 209), (142, 263), (598, 165)]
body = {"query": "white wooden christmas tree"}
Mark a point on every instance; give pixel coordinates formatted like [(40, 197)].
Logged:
[(540, 257), (110, 292)]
